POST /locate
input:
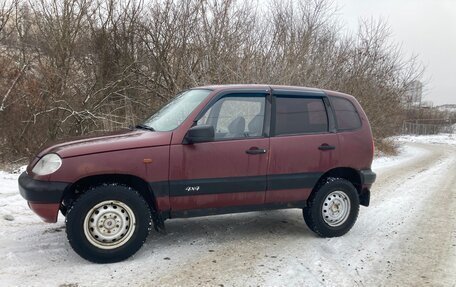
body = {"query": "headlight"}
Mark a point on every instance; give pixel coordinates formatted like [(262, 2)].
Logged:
[(47, 164)]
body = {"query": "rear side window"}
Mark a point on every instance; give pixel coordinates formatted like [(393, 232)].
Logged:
[(346, 115), (296, 115)]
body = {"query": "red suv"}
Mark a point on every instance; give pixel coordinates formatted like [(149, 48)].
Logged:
[(211, 150)]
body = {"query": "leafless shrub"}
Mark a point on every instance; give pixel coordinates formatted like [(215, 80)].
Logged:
[(72, 67)]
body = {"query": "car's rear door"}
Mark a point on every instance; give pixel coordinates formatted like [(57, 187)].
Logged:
[(229, 173), (303, 145)]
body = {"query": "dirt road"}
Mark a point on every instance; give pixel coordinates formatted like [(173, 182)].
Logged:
[(407, 237)]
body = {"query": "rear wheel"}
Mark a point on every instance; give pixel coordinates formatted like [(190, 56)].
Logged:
[(332, 209), (108, 223)]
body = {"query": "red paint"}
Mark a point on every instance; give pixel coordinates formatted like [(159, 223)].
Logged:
[(287, 195), (162, 203), (217, 200), (300, 154), (216, 160), (127, 162), (126, 139), (355, 147), (46, 211)]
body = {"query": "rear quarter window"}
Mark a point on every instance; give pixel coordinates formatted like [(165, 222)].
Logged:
[(347, 116)]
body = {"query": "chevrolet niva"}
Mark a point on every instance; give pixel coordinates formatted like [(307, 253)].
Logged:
[(211, 150)]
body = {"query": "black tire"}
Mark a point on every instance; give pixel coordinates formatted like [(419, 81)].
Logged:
[(123, 218), (323, 220)]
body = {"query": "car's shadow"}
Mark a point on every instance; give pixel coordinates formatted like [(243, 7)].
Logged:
[(232, 227)]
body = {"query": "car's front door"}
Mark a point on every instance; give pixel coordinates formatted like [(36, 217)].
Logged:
[(229, 172)]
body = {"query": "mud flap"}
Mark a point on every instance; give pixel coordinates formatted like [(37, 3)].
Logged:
[(159, 223), (364, 197)]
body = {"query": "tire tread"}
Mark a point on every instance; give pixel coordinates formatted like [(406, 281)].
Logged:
[(116, 255), (310, 213)]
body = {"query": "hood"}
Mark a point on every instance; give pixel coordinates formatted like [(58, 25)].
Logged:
[(121, 140)]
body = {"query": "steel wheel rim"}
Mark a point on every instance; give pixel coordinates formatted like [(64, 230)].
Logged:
[(336, 208), (109, 224)]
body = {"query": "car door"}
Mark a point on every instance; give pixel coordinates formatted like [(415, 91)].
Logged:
[(303, 145), (230, 172)]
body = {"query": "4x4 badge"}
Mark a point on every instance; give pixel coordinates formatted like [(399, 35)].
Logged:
[(192, 188)]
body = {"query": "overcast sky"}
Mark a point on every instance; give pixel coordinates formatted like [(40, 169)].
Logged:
[(423, 27)]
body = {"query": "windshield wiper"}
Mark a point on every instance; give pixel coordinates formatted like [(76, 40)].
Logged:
[(144, 127)]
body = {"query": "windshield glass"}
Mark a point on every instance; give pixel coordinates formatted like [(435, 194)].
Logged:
[(176, 111)]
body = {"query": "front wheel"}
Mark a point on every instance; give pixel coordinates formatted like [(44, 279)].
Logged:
[(332, 209), (108, 223)]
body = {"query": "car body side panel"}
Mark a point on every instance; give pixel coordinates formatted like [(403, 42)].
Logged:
[(287, 195), (126, 162), (357, 150), (356, 146), (204, 201), (222, 171), (300, 157)]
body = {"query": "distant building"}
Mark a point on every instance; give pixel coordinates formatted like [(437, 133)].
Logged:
[(425, 105), (451, 108), (414, 95)]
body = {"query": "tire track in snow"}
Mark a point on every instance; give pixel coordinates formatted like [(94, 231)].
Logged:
[(348, 260), (429, 257), (389, 233)]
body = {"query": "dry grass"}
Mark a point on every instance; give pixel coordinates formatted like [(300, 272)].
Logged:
[(386, 147)]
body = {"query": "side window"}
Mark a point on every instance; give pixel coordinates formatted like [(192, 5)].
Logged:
[(236, 117), (346, 115), (299, 115)]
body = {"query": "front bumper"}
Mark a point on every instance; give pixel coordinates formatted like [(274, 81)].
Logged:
[(43, 197)]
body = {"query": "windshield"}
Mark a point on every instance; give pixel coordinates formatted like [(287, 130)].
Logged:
[(176, 111)]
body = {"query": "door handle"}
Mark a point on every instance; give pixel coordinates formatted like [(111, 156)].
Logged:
[(326, 147), (255, 150)]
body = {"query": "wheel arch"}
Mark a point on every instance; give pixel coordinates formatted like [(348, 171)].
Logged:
[(347, 173), (83, 184)]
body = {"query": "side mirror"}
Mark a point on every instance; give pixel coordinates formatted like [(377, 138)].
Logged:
[(198, 134)]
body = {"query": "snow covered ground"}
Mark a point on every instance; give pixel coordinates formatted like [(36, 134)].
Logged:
[(448, 139), (407, 237)]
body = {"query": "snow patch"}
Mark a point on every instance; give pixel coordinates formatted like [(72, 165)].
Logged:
[(448, 139), (405, 154)]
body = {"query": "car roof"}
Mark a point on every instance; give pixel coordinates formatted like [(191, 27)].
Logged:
[(219, 88)]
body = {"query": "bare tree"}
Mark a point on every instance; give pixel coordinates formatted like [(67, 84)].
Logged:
[(72, 67)]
